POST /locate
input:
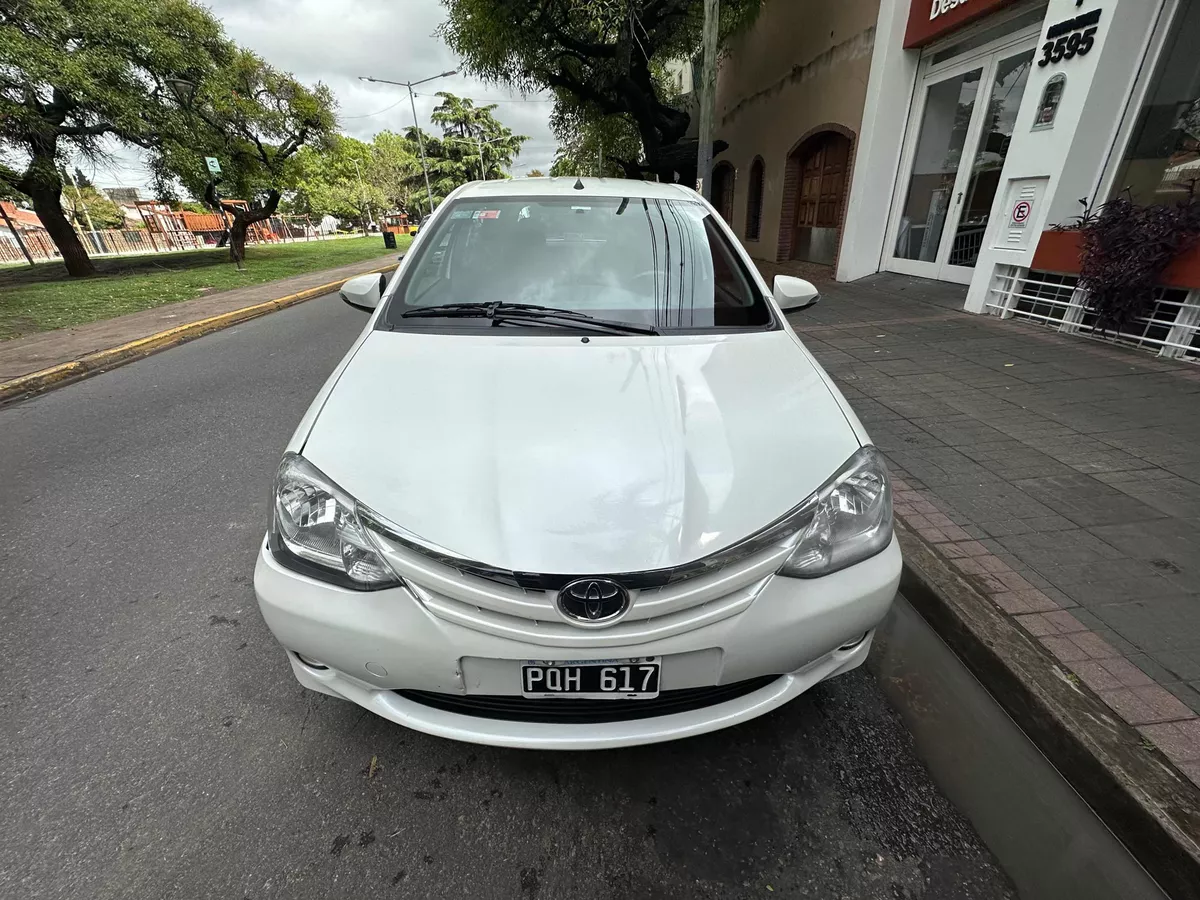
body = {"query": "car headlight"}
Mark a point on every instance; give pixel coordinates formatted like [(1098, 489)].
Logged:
[(316, 530), (851, 519)]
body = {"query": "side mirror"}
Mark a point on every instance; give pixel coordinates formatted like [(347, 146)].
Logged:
[(795, 294), (363, 292)]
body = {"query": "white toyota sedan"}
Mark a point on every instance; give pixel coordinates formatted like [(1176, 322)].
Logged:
[(578, 484)]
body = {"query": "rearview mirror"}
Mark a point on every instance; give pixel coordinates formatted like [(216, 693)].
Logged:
[(795, 294), (363, 292)]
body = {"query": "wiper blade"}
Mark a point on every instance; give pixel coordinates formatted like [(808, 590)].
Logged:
[(528, 312), (571, 320), (480, 309)]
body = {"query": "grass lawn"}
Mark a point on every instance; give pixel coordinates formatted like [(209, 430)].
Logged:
[(42, 297)]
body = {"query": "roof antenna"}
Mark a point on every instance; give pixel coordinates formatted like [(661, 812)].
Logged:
[(578, 183)]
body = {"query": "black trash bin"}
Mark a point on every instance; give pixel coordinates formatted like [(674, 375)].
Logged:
[(389, 240)]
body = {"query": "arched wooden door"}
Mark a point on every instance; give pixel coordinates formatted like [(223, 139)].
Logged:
[(820, 166)]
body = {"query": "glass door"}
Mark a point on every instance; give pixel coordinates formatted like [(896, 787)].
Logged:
[(985, 167), (945, 119), (959, 137)]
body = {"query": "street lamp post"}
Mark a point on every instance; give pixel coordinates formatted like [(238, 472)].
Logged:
[(411, 99)]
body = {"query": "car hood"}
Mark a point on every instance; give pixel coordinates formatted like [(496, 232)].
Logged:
[(551, 455)]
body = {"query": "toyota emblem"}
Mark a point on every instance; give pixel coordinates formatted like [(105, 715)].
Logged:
[(593, 601)]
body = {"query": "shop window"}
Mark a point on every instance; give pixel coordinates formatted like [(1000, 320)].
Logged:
[(1162, 162), (754, 201)]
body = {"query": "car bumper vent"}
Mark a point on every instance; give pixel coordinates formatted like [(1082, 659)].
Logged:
[(580, 711)]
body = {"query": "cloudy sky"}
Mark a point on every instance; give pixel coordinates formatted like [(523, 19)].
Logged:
[(335, 42)]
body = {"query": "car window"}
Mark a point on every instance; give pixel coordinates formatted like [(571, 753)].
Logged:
[(663, 263)]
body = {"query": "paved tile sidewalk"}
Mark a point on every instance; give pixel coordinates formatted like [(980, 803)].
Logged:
[(24, 355), (1060, 475)]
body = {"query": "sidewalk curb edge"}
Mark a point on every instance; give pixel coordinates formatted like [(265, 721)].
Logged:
[(62, 374), (1150, 806)]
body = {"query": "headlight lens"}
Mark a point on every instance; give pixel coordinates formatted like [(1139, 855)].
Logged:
[(852, 519), (317, 524)]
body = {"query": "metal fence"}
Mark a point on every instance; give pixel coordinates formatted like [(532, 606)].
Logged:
[(1172, 328), (120, 242)]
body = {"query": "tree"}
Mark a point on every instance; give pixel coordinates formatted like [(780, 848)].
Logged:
[(476, 130), (451, 163), (396, 169), (454, 158), (603, 146), (253, 118), (77, 71), (535, 173), (600, 57), (103, 212), (336, 181)]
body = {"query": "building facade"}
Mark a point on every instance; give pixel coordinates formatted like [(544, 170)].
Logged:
[(987, 123), (790, 97)]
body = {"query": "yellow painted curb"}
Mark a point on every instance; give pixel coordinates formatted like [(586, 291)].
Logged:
[(103, 360)]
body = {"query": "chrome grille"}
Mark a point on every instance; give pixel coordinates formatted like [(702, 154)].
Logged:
[(509, 611)]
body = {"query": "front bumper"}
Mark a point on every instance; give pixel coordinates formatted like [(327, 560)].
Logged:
[(374, 644)]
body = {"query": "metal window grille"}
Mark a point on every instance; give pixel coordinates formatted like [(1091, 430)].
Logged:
[(1172, 327)]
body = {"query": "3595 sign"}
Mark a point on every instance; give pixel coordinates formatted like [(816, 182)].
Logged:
[(1074, 37)]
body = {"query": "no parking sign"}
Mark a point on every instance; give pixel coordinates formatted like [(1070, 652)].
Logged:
[(1021, 213)]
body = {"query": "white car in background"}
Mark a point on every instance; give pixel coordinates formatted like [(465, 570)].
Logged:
[(578, 484)]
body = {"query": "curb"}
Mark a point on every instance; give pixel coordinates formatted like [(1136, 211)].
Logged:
[(90, 364), (1150, 806)]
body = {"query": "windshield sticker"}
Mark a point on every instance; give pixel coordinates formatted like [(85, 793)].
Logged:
[(463, 214), (488, 214)]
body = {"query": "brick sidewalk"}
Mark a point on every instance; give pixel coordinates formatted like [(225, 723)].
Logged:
[(1061, 476), (24, 355)]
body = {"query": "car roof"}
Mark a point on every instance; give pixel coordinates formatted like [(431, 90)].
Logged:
[(564, 187)]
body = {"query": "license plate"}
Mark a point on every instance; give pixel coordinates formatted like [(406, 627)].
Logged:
[(606, 679)]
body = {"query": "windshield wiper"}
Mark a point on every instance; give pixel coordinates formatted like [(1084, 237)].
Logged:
[(500, 313), (469, 309)]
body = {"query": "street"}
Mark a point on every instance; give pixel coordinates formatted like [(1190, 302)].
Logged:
[(156, 744)]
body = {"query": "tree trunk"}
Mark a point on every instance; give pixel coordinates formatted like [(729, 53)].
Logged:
[(237, 237), (46, 204), (243, 219), (42, 183)]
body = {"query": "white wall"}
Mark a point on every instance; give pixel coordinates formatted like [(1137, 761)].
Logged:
[(889, 91), (1071, 156)]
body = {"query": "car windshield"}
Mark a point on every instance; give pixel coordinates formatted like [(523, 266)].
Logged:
[(665, 264)]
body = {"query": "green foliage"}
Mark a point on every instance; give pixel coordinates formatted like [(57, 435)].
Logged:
[(601, 57), (395, 170), (253, 118), (78, 70), (336, 181), (32, 299), (454, 158), (597, 145), (474, 131), (104, 213)]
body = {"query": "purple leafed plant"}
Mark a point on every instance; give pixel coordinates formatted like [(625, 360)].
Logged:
[(1126, 249)]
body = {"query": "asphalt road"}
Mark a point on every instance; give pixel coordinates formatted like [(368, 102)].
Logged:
[(155, 745)]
